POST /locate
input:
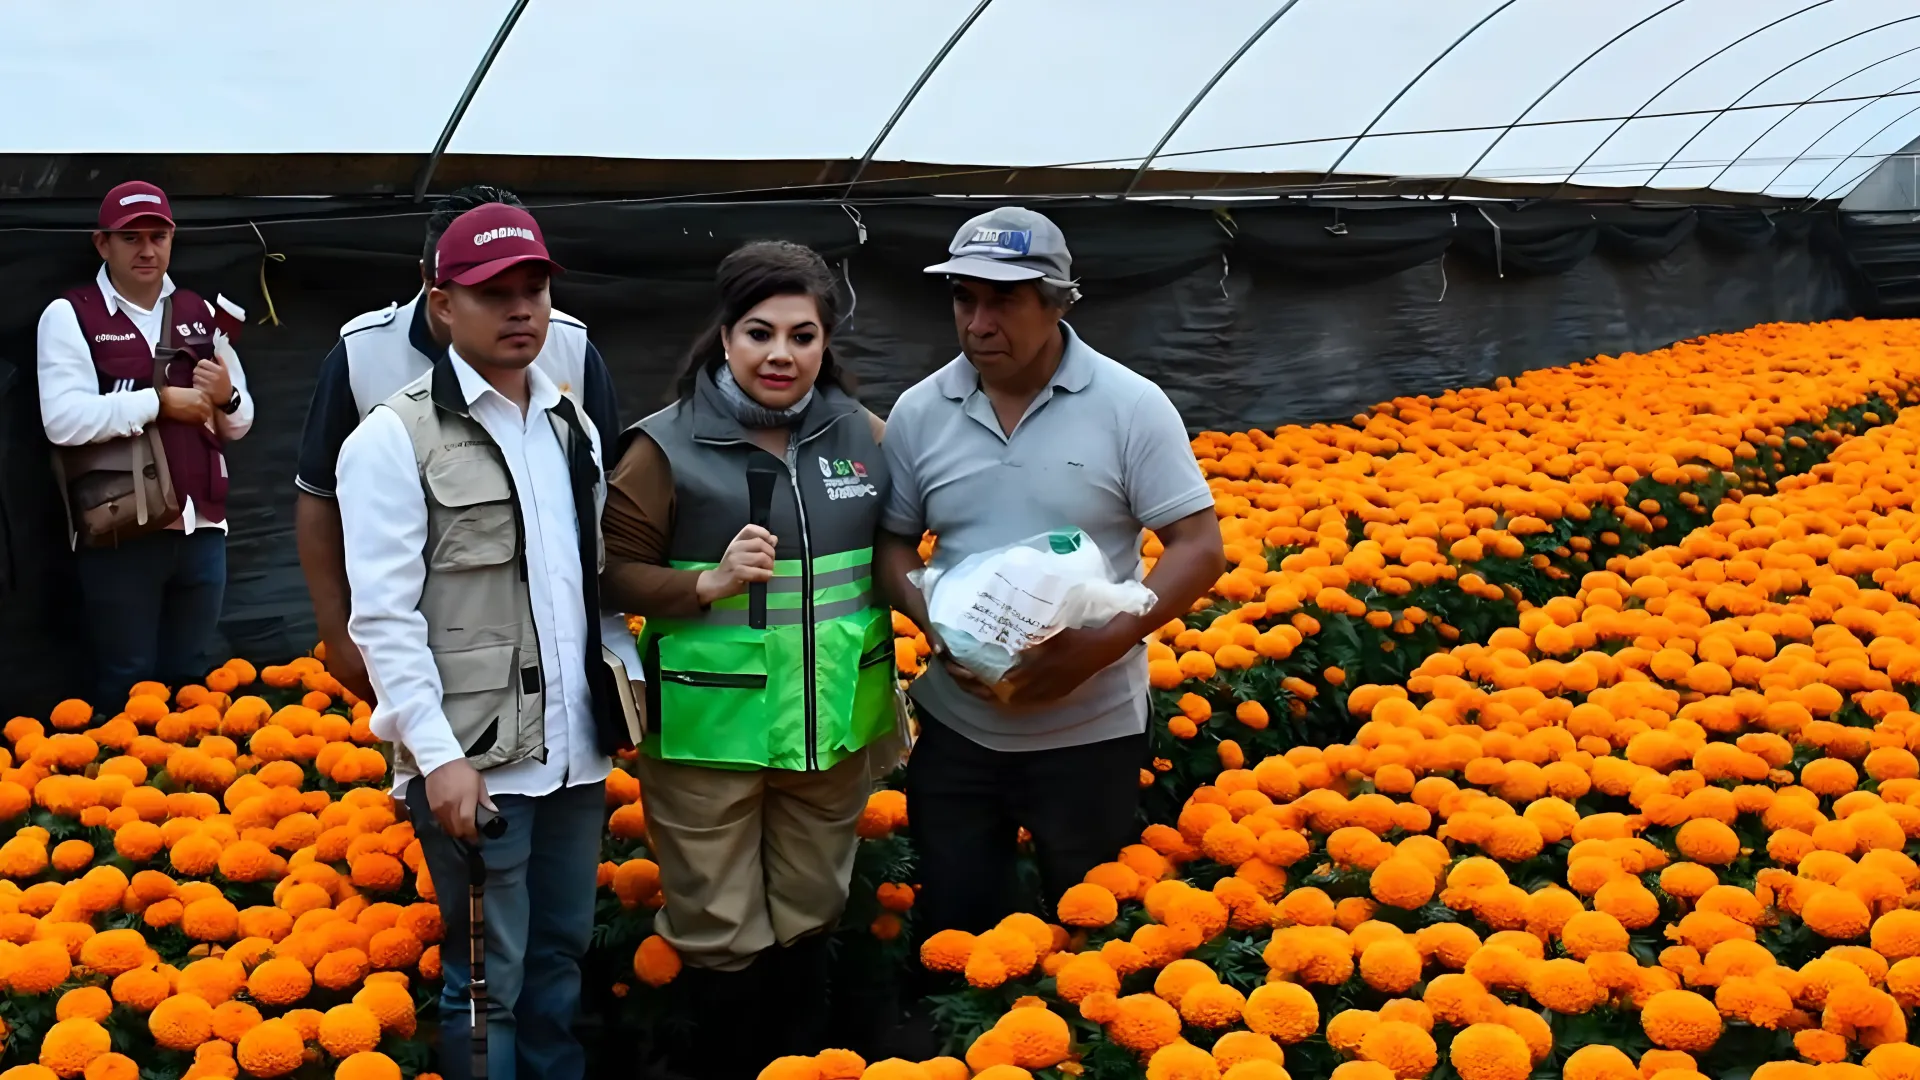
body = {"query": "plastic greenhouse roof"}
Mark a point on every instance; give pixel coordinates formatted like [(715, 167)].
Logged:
[(1788, 98)]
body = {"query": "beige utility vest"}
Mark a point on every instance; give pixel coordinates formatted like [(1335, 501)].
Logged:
[(478, 610)]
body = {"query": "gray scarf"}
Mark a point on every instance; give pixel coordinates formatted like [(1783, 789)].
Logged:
[(750, 413)]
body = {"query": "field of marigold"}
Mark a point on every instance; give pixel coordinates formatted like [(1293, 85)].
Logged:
[(1558, 728)]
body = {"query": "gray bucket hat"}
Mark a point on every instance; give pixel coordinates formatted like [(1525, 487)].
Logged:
[(1009, 244)]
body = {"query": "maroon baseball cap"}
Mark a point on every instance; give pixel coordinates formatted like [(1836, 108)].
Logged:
[(485, 241), (132, 201)]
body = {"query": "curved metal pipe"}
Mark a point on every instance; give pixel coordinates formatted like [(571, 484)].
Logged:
[(1431, 64), (1813, 99), (1204, 91), (1678, 150), (466, 99), (1835, 126), (1647, 104), (887, 129), (1814, 191), (1568, 74)]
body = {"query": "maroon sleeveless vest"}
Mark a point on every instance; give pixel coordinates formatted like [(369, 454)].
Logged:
[(123, 361)]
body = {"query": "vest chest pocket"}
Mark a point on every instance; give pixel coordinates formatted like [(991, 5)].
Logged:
[(472, 521)]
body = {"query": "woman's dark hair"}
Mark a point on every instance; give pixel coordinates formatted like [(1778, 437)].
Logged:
[(459, 202), (751, 274)]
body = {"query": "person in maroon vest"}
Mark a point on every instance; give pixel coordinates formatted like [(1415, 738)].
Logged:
[(151, 602)]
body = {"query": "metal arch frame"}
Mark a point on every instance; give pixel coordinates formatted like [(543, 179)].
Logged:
[(1544, 94), (1678, 150), (1814, 191), (1147, 161), (466, 99), (1813, 99), (1431, 64), (1677, 79), (1835, 126), (886, 129)]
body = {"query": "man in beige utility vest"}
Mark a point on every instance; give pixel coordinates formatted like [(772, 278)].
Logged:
[(470, 506)]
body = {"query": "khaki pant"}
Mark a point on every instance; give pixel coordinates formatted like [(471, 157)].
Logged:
[(750, 859)]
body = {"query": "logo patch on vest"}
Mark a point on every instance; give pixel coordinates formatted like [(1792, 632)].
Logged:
[(845, 479), (115, 337)]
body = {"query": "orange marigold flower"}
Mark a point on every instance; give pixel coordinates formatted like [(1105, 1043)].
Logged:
[(181, 1022), (1285, 1011), (1143, 1023), (368, 1065), (1490, 1052), (349, 1029), (656, 962), (1088, 905), (272, 1048), (69, 1046), (1406, 1049), (1681, 1020)]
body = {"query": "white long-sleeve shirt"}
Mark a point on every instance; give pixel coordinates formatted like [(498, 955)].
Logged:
[(76, 413), (383, 517)]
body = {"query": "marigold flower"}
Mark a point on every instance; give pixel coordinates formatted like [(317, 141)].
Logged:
[(70, 1045), (368, 1065), (1143, 1023), (1282, 1010), (1236, 1047), (181, 1022), (1593, 932), (279, 981), (390, 1003), (1490, 1052), (272, 1048), (1212, 1005), (1681, 1020), (1406, 1049), (1402, 882), (1836, 914), (1391, 966), (1599, 1061)]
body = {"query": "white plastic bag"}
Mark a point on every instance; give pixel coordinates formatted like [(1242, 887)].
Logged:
[(995, 604)]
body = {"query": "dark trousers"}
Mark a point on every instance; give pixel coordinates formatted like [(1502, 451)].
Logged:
[(151, 607), (539, 915), (968, 804)]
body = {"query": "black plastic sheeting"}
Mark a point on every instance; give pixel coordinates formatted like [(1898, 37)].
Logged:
[(1248, 314)]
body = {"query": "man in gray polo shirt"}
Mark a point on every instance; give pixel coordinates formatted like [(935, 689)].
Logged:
[(1031, 430)]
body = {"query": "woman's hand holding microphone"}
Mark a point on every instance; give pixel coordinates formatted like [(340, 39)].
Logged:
[(748, 561)]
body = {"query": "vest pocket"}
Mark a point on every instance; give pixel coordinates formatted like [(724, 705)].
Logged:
[(479, 529), (713, 700), (872, 696), (480, 698)]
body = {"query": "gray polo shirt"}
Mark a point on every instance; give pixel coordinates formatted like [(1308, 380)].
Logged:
[(1101, 448)]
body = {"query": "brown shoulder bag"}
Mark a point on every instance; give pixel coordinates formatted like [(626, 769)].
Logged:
[(121, 488)]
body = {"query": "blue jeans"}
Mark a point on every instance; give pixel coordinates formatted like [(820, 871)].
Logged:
[(152, 604), (539, 915)]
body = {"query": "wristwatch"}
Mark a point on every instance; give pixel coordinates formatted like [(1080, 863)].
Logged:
[(233, 403)]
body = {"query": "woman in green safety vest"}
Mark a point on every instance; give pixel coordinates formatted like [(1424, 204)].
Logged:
[(740, 523)]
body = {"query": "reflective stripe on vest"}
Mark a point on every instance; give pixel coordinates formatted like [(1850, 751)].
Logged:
[(842, 586)]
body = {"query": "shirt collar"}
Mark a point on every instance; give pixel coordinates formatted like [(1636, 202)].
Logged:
[(543, 393), (113, 297), (958, 380)]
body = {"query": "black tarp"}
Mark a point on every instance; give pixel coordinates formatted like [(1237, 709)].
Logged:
[(1249, 314)]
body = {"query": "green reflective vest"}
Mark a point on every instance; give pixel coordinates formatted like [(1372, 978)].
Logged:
[(817, 684)]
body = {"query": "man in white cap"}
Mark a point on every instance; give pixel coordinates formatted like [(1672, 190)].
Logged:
[(1031, 430), (153, 598)]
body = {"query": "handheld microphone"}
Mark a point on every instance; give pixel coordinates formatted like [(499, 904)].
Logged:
[(760, 480)]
